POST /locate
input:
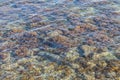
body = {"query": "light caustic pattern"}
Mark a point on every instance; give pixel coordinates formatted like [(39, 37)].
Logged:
[(59, 39)]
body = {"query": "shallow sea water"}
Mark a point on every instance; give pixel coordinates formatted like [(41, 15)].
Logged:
[(59, 39)]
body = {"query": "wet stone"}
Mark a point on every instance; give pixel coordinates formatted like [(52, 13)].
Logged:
[(86, 50), (59, 40)]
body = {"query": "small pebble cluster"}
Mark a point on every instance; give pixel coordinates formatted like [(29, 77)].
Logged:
[(60, 40)]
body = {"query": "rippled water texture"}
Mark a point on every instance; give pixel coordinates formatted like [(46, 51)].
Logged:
[(59, 39)]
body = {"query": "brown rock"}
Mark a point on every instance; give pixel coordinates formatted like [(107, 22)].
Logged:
[(22, 51), (61, 38), (0, 33), (79, 29), (3, 56), (66, 41), (33, 33), (55, 33), (90, 41), (17, 30)]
